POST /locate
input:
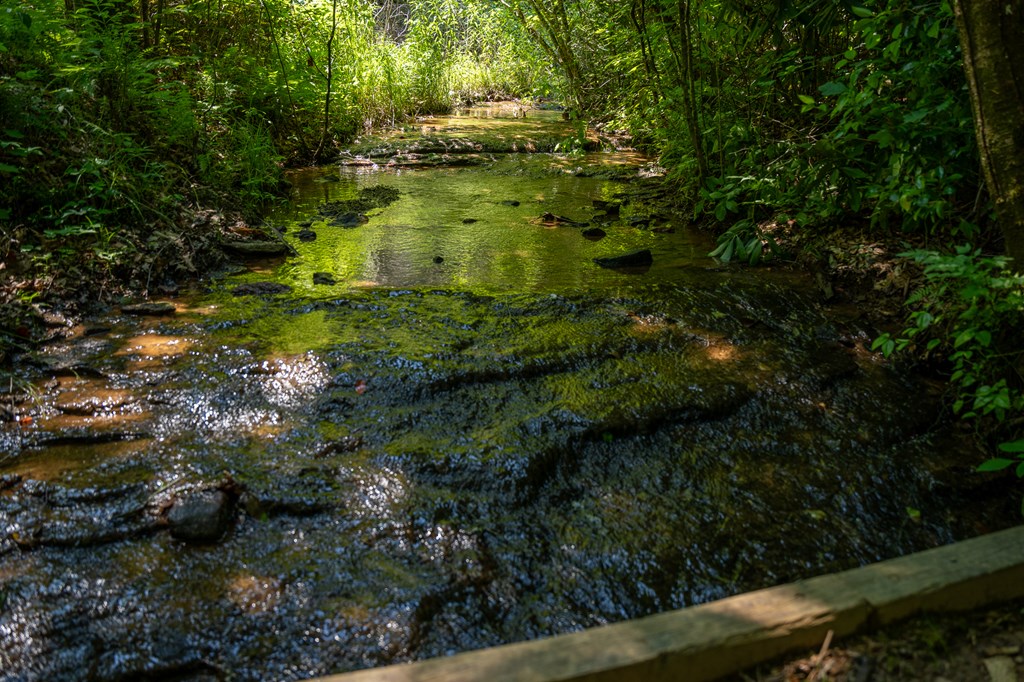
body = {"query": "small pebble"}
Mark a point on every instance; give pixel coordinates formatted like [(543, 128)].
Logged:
[(438, 259)]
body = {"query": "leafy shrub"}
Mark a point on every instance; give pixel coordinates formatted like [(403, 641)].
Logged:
[(970, 312)]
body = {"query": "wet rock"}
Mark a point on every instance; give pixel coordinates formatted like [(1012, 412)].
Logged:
[(94, 329), (152, 309), (323, 278), (306, 224), (53, 319), (306, 235), (664, 229), (260, 289), (594, 233), (438, 259), (169, 288), (349, 220), (75, 370), (103, 401), (469, 221), (510, 202), (640, 221), (201, 516), (85, 437), (553, 220), (260, 249), (633, 259)]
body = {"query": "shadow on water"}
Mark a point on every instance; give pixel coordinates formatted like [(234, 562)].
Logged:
[(424, 457)]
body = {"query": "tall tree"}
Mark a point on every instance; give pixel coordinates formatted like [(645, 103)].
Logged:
[(990, 35)]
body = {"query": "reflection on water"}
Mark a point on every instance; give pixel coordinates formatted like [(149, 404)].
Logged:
[(478, 228), (451, 229)]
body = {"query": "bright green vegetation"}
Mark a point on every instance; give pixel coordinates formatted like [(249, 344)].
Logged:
[(782, 122), (119, 119)]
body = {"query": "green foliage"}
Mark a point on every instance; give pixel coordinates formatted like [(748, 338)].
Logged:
[(113, 115), (968, 312), (901, 139), (1014, 448)]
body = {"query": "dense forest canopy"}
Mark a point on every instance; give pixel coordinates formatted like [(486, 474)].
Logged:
[(779, 121)]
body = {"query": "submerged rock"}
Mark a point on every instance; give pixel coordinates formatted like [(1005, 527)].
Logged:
[(438, 259), (261, 249), (552, 220), (323, 278), (306, 235), (201, 516), (349, 220), (635, 259), (594, 233), (611, 210), (510, 202), (260, 289), (153, 309)]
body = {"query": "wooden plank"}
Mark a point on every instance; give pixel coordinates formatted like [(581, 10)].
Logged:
[(711, 640)]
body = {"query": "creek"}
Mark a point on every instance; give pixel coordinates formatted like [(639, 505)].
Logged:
[(461, 433)]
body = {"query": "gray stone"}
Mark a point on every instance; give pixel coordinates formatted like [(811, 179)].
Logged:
[(200, 516)]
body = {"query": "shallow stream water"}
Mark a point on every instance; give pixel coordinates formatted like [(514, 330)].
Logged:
[(473, 436)]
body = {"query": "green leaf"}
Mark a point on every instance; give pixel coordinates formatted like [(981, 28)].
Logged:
[(727, 256), (832, 88), (862, 12), (1020, 470), (916, 115), (995, 464), (962, 338), (8, 168), (756, 251), (806, 99), (1013, 446)]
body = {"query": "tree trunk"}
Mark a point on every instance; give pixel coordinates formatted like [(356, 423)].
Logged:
[(325, 134), (992, 39)]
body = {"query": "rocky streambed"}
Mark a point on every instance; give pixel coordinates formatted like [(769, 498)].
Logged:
[(404, 457)]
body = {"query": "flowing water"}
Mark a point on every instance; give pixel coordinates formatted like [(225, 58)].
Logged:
[(473, 436)]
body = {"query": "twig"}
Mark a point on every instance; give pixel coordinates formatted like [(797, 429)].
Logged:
[(816, 661)]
